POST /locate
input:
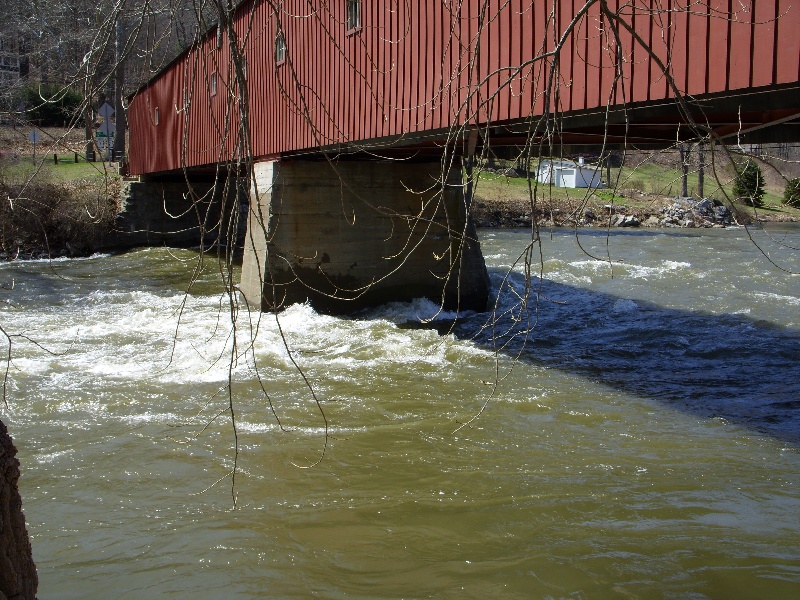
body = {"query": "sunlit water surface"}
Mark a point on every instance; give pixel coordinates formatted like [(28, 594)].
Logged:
[(640, 442)]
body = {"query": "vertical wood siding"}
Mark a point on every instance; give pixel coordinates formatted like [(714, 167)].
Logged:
[(428, 64)]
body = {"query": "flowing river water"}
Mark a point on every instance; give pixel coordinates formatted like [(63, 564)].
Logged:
[(641, 440)]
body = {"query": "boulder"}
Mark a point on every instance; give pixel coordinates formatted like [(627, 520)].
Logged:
[(624, 221), (722, 214), (652, 221)]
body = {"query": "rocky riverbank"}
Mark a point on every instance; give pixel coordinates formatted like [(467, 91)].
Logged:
[(647, 211)]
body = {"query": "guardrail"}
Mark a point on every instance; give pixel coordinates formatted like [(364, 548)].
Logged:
[(76, 157)]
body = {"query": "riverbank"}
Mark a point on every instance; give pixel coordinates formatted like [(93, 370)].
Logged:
[(46, 218), (53, 208), (511, 207), (645, 191)]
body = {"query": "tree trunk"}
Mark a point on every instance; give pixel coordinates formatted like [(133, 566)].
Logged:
[(118, 153), (18, 578)]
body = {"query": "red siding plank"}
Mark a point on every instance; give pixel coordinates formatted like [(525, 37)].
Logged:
[(698, 49), (787, 68), (741, 31), (718, 45), (678, 48), (594, 33)]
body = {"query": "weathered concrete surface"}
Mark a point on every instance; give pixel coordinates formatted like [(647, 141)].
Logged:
[(18, 578), (360, 233)]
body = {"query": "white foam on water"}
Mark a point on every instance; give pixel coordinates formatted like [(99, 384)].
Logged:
[(593, 266), (603, 268), (272, 427), (569, 278), (624, 305), (132, 335), (375, 338), (793, 300), (126, 335), (152, 417), (53, 456), (420, 310), (60, 259), (648, 272)]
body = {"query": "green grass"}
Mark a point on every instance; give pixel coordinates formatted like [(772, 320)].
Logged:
[(652, 179), (47, 170), (660, 180), (493, 185)]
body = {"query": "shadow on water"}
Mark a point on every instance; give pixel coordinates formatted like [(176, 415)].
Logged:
[(727, 366), (734, 367)]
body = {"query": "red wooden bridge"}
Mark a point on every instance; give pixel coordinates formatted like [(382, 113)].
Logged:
[(281, 82), (408, 72)]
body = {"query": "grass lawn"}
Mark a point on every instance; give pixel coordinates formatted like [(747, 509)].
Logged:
[(46, 170), (639, 187)]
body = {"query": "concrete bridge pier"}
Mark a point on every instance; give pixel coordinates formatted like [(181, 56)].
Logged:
[(352, 234)]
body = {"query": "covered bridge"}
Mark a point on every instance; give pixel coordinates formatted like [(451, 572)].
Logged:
[(355, 120)]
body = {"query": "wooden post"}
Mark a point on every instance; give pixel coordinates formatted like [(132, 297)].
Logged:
[(701, 166), (684, 153)]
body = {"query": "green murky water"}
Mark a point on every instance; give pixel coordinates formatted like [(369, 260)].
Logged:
[(641, 443)]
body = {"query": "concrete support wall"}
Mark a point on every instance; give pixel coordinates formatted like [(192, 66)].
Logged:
[(175, 213), (358, 234)]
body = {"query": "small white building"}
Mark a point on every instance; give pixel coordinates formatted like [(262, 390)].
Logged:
[(568, 173)]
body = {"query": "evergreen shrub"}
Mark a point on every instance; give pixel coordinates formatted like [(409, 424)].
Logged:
[(748, 186), (791, 194)]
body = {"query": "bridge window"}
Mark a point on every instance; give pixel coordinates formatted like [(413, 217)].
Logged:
[(214, 83), (157, 116), (280, 47), (353, 15)]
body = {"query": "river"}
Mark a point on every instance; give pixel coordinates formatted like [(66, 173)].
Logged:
[(640, 437)]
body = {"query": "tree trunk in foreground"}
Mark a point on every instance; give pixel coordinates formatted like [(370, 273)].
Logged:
[(18, 579)]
